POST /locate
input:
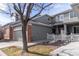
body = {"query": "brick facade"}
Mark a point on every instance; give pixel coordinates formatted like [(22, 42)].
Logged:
[(29, 33), (8, 33)]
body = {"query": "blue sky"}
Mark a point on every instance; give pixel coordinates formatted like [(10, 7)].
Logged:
[(4, 19)]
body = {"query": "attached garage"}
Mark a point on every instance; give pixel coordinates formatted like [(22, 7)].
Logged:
[(17, 33), (39, 32), (35, 32)]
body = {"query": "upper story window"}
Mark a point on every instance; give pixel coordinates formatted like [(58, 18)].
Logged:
[(57, 18), (73, 14), (61, 17), (66, 15)]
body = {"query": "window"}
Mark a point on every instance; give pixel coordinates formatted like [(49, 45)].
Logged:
[(73, 14), (66, 15), (76, 29), (57, 18), (61, 17)]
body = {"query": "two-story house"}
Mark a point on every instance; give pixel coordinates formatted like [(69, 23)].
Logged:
[(66, 24)]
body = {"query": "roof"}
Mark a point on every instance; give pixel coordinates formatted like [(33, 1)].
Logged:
[(69, 10), (74, 4), (13, 23), (41, 16)]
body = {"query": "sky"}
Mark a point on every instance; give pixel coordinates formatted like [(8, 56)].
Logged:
[(4, 19)]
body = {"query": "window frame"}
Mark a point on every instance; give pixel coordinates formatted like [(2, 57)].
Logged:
[(74, 14), (57, 18), (61, 17), (67, 15), (75, 31)]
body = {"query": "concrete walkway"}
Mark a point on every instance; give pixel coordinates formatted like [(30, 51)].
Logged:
[(14, 43)]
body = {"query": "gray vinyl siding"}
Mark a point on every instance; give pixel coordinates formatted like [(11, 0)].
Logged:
[(40, 32), (43, 19)]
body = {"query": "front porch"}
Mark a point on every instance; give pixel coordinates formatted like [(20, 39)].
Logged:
[(63, 39), (65, 33)]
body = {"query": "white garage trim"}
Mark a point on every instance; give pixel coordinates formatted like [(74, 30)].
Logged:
[(17, 28)]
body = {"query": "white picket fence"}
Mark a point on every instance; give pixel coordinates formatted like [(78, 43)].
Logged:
[(68, 38)]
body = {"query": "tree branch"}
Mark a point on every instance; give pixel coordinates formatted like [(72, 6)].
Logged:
[(10, 10), (24, 7), (42, 8), (16, 8), (19, 7), (37, 14), (29, 9)]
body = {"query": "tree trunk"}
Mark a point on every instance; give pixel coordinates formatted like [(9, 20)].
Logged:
[(25, 47)]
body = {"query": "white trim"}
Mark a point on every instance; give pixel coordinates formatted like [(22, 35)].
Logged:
[(65, 28), (18, 28), (61, 16), (69, 15)]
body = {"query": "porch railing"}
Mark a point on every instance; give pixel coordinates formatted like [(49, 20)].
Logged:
[(68, 38)]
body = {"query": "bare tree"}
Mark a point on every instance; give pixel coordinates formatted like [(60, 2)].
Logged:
[(25, 12)]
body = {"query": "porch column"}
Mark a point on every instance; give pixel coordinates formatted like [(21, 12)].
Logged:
[(65, 29), (56, 29)]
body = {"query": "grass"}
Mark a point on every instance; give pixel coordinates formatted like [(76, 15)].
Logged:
[(40, 50), (34, 50), (12, 51)]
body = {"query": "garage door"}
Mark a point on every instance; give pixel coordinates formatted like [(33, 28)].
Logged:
[(18, 35), (40, 32)]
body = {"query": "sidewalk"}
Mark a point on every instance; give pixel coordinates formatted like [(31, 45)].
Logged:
[(15, 43)]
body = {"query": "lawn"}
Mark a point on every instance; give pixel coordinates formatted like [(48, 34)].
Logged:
[(12, 51), (40, 50)]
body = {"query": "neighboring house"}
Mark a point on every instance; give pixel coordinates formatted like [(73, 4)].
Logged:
[(37, 29)]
